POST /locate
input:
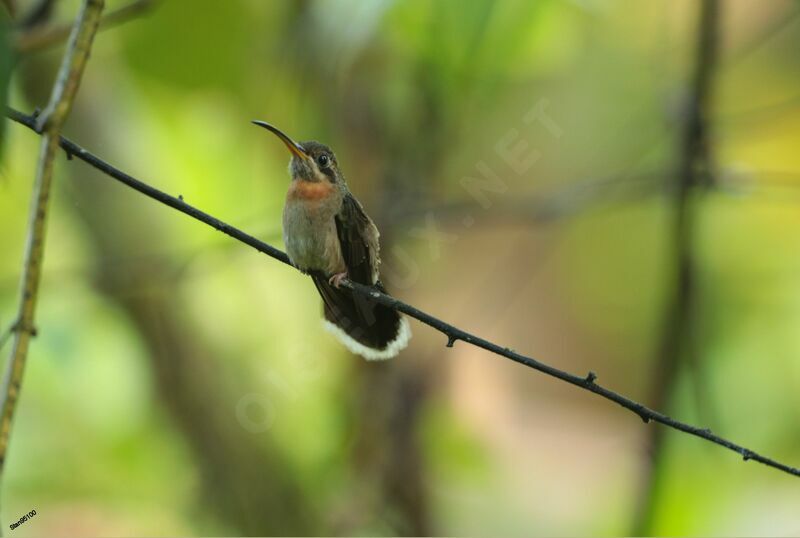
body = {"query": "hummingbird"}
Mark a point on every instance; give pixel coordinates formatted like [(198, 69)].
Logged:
[(328, 235)]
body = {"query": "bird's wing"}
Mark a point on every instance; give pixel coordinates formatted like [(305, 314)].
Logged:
[(366, 327), (358, 238)]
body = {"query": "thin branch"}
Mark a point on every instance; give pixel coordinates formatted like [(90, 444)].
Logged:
[(771, 31), (544, 208), (49, 125), (694, 170), (43, 37), (7, 332), (38, 15), (9, 7), (453, 334), (760, 113)]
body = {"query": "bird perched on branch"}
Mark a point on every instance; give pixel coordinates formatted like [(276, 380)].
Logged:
[(328, 234)]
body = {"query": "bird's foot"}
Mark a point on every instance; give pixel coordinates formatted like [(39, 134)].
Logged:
[(336, 280)]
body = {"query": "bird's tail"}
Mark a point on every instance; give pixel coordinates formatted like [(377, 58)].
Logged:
[(364, 326)]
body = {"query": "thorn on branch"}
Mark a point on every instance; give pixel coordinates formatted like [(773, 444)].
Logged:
[(451, 340), (590, 378), (18, 326)]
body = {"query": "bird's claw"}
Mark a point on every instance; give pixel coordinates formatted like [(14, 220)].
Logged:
[(336, 280)]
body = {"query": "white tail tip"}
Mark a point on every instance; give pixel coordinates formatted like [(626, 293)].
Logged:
[(392, 348)]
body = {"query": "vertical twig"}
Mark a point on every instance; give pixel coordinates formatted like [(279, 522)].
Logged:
[(694, 170), (49, 123)]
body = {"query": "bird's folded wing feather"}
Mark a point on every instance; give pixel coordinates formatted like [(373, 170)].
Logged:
[(358, 238)]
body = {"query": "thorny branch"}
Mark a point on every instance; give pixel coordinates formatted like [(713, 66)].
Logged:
[(453, 334), (48, 125)]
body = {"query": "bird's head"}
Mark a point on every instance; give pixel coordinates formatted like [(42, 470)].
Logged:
[(310, 161)]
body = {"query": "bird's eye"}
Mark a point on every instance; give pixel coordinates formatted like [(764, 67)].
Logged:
[(323, 160)]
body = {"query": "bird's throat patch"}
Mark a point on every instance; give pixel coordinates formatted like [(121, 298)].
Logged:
[(310, 190)]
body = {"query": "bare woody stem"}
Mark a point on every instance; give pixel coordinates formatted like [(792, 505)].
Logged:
[(586, 382), (49, 125)]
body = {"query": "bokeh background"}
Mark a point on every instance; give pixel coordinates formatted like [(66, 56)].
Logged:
[(522, 160)]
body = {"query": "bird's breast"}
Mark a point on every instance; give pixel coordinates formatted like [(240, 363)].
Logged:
[(309, 227)]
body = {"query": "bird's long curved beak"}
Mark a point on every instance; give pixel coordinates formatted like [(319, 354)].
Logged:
[(293, 146)]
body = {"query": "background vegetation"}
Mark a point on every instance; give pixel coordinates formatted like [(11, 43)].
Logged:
[(181, 384)]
